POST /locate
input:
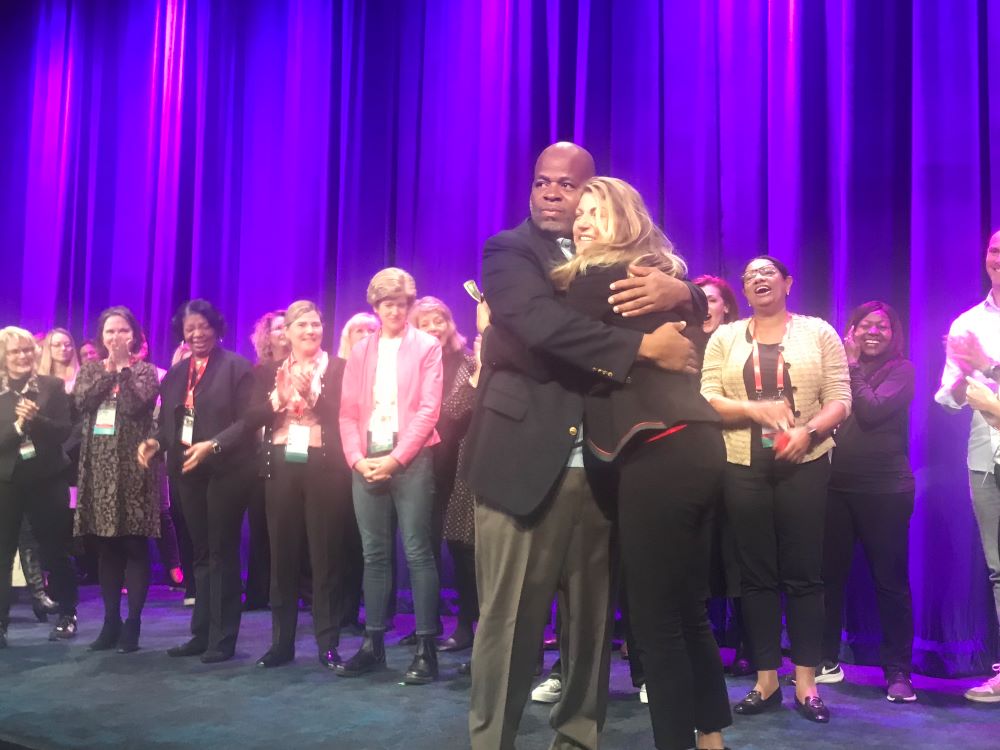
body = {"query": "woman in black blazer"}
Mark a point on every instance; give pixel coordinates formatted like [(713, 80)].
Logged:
[(34, 424), (307, 483), (210, 460), (666, 441)]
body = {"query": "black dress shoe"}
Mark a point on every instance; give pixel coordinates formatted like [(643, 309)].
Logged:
[(215, 656), (410, 639), (275, 657), (64, 629), (370, 656), (194, 647), (754, 704), (330, 659), (108, 637), (741, 667), (465, 668), (128, 641), (455, 644), (813, 709), (424, 667)]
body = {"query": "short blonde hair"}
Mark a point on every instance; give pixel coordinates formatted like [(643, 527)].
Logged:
[(13, 334), (345, 335), (633, 235), (299, 308), (391, 282), (453, 341)]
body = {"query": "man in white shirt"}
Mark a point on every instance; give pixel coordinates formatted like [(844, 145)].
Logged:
[(974, 351)]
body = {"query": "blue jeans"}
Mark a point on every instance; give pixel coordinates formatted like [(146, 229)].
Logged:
[(411, 493)]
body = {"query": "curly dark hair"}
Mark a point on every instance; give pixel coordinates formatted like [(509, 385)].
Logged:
[(198, 307)]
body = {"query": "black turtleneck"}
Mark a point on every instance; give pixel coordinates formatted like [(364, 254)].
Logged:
[(872, 453)]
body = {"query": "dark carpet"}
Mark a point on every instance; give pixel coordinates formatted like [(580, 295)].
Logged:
[(59, 695)]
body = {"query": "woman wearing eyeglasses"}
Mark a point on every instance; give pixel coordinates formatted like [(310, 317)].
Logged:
[(780, 383)]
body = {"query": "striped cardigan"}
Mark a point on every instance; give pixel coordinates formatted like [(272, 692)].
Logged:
[(818, 367)]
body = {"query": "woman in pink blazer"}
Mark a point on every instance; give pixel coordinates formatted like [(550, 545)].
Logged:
[(390, 402)]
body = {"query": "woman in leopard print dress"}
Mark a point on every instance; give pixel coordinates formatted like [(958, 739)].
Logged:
[(118, 503)]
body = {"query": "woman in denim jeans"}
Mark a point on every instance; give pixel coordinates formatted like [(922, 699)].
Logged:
[(390, 402)]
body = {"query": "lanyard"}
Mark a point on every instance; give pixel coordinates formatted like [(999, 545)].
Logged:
[(758, 382), (195, 374)]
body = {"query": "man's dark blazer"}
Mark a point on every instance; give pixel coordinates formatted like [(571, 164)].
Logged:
[(539, 358), (47, 431), (222, 396)]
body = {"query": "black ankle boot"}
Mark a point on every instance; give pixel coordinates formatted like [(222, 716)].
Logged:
[(370, 657), (108, 637), (128, 641), (43, 606), (424, 667)]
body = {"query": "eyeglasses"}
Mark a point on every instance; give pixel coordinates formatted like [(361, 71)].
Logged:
[(768, 272)]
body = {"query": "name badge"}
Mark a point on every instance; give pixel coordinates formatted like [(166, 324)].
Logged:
[(297, 448), (187, 430), (27, 450), (104, 422), (380, 443), (767, 437)]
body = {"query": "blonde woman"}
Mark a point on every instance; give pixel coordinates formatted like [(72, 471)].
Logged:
[(780, 382), (667, 444), (360, 325), (390, 402), (34, 424), (59, 357)]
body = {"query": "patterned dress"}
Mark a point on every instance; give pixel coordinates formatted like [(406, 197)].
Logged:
[(116, 496), (460, 515)]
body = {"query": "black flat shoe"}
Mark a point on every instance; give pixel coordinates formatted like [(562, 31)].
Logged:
[(741, 668), (64, 629), (108, 637), (330, 659), (754, 704), (813, 709), (370, 656), (215, 657), (424, 667), (453, 644), (194, 647), (465, 668), (275, 657), (128, 641)]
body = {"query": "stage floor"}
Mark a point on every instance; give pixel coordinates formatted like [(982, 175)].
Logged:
[(59, 695)]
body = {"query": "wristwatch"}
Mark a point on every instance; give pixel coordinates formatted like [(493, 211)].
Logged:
[(216, 448), (813, 435)]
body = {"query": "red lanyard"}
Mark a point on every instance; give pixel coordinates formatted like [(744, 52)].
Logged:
[(758, 382), (195, 374)]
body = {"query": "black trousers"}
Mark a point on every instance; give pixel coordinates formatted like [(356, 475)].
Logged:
[(882, 523), (45, 504), (213, 504), (464, 557), (307, 503), (666, 502), (258, 588), (778, 512)]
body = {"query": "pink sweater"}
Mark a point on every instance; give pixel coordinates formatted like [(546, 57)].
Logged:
[(420, 377)]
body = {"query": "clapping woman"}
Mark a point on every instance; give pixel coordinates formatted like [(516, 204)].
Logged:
[(118, 503)]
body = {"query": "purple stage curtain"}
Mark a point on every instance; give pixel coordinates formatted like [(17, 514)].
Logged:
[(257, 152)]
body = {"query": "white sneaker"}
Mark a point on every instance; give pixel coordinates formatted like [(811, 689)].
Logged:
[(829, 672), (548, 691), (989, 691), (643, 698)]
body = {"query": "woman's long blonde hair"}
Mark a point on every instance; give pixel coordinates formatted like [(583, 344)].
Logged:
[(45, 362), (632, 236)]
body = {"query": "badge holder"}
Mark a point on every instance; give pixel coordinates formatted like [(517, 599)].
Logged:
[(297, 448), (187, 428), (104, 422), (380, 444), (27, 450)]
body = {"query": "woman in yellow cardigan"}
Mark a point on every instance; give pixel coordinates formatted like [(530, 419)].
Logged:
[(780, 383)]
